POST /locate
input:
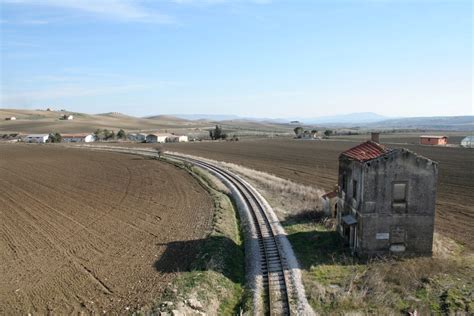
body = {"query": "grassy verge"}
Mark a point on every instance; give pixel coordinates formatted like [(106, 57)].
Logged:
[(337, 283), (216, 279)]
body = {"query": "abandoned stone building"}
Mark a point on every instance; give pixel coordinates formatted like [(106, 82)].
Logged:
[(386, 200)]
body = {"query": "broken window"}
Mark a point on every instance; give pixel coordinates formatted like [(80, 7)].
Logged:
[(399, 196)]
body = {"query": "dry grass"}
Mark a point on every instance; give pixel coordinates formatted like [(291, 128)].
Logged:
[(337, 283), (288, 199)]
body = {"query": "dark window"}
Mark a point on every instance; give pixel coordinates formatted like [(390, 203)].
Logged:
[(344, 185), (354, 189), (399, 197), (399, 192)]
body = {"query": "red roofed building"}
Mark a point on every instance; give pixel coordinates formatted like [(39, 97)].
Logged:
[(386, 200), (433, 140)]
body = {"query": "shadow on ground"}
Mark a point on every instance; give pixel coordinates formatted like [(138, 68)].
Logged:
[(217, 253), (316, 241)]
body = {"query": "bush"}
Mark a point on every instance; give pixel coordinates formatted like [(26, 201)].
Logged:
[(55, 138), (121, 134)]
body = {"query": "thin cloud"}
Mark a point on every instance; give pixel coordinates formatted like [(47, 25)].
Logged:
[(122, 10)]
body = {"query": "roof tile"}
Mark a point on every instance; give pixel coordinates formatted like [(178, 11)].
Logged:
[(366, 151)]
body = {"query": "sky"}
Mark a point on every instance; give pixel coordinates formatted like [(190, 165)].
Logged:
[(253, 58)]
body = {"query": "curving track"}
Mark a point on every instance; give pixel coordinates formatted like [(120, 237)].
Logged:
[(275, 279)]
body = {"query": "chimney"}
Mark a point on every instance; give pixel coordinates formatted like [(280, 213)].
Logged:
[(375, 137)]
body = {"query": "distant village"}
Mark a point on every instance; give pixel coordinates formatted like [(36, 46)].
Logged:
[(98, 136)]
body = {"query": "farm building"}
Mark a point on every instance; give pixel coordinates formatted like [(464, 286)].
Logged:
[(36, 138), (66, 117), (386, 200), (136, 137), (177, 139), (433, 140), (78, 138), (11, 118), (468, 142), (157, 138)]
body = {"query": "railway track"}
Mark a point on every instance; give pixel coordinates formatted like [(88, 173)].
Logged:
[(276, 281), (273, 265)]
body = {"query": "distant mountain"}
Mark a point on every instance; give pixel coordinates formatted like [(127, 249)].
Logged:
[(209, 117), (355, 118), (458, 123)]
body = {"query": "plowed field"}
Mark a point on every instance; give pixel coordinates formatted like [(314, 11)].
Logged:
[(84, 231), (316, 163)]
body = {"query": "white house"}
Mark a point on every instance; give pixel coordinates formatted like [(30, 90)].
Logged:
[(11, 118), (36, 138), (77, 138), (66, 117), (177, 139), (468, 142), (183, 139), (157, 138)]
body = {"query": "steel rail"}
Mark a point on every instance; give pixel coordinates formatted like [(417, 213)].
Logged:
[(274, 279)]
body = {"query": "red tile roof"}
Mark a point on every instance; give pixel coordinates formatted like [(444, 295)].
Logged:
[(366, 151)]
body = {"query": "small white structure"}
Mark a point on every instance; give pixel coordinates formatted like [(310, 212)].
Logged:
[(67, 117), (11, 118), (468, 142), (177, 139), (78, 138), (157, 138), (183, 139), (137, 137), (36, 138)]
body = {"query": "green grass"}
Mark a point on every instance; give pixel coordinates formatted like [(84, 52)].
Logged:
[(337, 283), (217, 276)]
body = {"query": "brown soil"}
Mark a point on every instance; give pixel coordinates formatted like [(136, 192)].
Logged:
[(316, 163), (84, 231)]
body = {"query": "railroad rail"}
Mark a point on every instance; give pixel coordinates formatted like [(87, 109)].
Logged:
[(276, 281)]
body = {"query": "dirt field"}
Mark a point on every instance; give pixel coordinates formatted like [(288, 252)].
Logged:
[(316, 163), (85, 231)]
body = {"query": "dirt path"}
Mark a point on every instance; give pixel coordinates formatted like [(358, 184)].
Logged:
[(85, 231)]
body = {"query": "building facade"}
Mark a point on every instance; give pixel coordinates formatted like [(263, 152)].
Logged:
[(78, 138), (386, 200), (157, 138), (433, 140), (36, 138), (137, 137)]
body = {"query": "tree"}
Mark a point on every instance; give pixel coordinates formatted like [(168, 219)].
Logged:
[(121, 134), (328, 132), (98, 134), (298, 130), (108, 134), (159, 150), (314, 131), (55, 137), (216, 133)]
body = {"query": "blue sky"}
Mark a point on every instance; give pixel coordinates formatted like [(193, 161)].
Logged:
[(250, 58)]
